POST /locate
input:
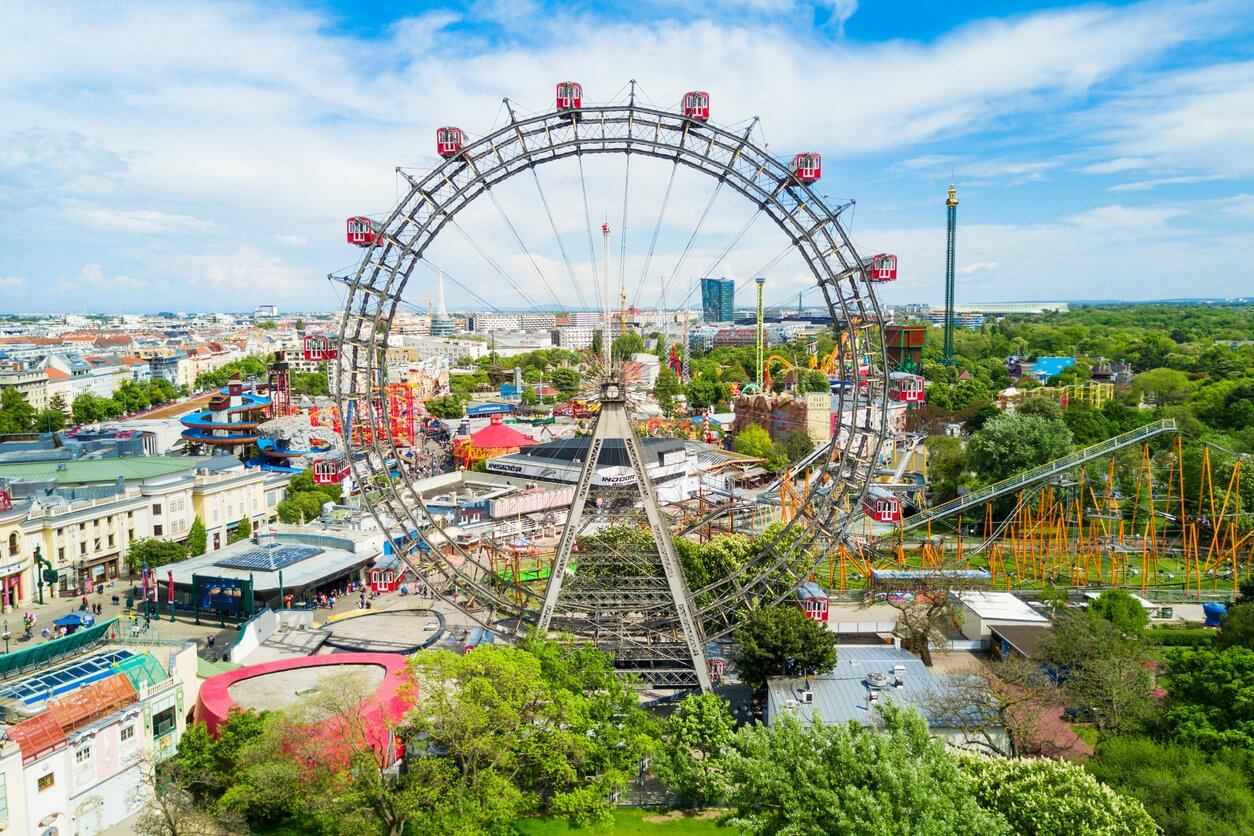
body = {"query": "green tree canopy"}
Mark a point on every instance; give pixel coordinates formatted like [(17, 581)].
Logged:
[(445, 407), (666, 388), (694, 740), (197, 538), (1188, 792), (1010, 444), (16, 413), (154, 552), (1046, 797), (786, 778), (1121, 608), (1162, 386), (781, 641), (1102, 668), (301, 507), (1211, 699)]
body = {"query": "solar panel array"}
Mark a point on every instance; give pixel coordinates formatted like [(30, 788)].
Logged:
[(269, 558)]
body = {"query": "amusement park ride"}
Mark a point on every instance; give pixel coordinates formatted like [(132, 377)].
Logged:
[(840, 518), (635, 602)]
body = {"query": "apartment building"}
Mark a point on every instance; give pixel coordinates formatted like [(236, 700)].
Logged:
[(81, 716), (83, 515)]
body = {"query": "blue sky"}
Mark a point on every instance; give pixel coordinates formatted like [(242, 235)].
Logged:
[(203, 156)]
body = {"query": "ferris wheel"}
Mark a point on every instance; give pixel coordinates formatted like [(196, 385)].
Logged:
[(527, 145)]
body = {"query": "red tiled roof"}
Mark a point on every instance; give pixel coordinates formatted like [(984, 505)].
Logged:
[(54, 373)]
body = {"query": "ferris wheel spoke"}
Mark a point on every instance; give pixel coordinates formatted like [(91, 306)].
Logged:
[(524, 249), (657, 228), (561, 245), (705, 213), (592, 251), (500, 271), (622, 235)]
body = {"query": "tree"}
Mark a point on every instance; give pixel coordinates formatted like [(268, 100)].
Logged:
[(781, 641), (666, 388), (815, 381), (1120, 608), (1015, 695), (445, 407), (1101, 668), (566, 381), (301, 507), (1162, 386), (1186, 791), (197, 538), (797, 445), (242, 531), (58, 403), (49, 421), (753, 440), (311, 383), (598, 346), (16, 414), (154, 552), (1046, 797), (550, 722), (1010, 444), (628, 344), (88, 409), (528, 396), (694, 741), (299, 325), (1237, 628), (786, 778), (168, 807), (303, 483), (925, 604), (947, 460), (706, 391), (1211, 702)]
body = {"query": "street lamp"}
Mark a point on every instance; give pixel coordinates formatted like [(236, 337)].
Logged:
[(6, 636)]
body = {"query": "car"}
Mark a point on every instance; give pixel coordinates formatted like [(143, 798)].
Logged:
[(430, 625)]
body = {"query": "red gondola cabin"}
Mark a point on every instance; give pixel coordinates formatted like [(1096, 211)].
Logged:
[(569, 95), (812, 601), (319, 348), (906, 387), (883, 268), (697, 105), (384, 579), (808, 167), (361, 232), (449, 142), (882, 506), (330, 471)]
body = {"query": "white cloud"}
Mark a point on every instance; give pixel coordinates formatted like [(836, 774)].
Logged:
[(146, 221), (977, 267), (12, 282), (1155, 182), (1116, 165), (1119, 217), (296, 126), (1198, 120), (92, 277)]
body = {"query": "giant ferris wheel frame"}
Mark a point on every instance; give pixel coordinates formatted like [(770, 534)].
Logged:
[(376, 289)]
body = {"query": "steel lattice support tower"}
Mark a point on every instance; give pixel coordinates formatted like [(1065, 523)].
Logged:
[(951, 210), (761, 334), (626, 576)]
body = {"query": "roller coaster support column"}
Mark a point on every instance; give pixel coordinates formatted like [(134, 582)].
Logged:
[(951, 204), (761, 334)]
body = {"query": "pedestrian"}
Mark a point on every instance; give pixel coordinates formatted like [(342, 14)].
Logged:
[(212, 640)]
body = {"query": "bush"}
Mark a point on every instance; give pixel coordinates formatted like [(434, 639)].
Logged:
[(1185, 791)]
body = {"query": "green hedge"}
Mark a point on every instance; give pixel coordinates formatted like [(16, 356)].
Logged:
[(1180, 636)]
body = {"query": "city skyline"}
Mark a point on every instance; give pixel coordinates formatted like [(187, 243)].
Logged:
[(1098, 151)]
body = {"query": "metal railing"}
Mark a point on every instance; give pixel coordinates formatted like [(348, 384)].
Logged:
[(1036, 474)]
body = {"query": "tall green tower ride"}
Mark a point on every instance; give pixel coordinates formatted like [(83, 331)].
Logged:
[(951, 209)]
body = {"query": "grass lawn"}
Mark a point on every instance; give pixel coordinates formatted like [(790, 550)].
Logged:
[(1089, 734), (631, 821)]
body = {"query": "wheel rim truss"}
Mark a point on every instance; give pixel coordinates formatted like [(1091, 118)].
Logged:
[(376, 288)]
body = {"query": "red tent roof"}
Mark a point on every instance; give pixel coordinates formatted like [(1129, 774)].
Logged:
[(497, 436)]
